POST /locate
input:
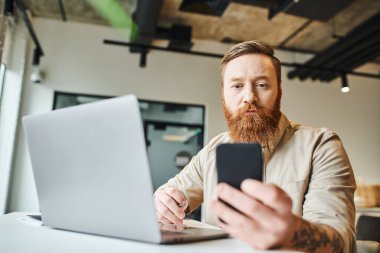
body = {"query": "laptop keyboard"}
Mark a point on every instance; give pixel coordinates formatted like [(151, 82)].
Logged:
[(176, 229)]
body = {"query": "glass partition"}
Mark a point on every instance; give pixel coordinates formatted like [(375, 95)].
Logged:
[(174, 133)]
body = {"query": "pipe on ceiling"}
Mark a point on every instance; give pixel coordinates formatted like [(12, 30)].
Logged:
[(354, 54), (338, 50), (286, 64), (62, 10), (28, 24), (355, 62)]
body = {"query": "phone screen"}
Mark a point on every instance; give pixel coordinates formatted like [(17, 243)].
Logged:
[(236, 162)]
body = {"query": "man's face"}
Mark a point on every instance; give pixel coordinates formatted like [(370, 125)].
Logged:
[(251, 98)]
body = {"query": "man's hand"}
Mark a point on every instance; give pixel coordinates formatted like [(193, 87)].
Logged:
[(170, 206), (265, 219)]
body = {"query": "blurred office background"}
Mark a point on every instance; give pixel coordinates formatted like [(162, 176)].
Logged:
[(58, 53)]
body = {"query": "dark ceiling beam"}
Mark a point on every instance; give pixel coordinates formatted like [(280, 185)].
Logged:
[(205, 7), (295, 33), (280, 6), (376, 61), (337, 50), (322, 10), (205, 54)]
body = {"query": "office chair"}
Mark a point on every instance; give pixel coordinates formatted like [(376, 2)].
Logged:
[(368, 228), (368, 234)]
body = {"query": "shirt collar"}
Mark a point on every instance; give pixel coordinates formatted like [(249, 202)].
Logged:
[(283, 124)]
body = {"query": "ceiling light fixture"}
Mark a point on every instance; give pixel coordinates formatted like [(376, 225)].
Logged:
[(36, 75), (345, 88), (36, 56)]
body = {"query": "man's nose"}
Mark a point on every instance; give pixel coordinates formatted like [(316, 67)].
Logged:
[(249, 96)]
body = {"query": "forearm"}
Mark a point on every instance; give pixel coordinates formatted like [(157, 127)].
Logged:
[(189, 187), (316, 237)]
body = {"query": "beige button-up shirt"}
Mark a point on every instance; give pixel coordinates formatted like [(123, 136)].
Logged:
[(310, 164)]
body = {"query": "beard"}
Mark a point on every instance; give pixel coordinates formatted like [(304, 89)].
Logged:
[(259, 127)]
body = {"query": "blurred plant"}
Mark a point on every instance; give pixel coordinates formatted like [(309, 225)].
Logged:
[(115, 13)]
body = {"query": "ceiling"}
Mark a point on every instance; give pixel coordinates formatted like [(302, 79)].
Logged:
[(310, 28)]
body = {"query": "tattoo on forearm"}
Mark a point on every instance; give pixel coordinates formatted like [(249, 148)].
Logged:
[(317, 238)]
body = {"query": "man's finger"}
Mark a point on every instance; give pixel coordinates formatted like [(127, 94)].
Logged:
[(269, 194), (177, 196), (165, 212), (245, 204), (162, 219), (234, 220), (172, 205)]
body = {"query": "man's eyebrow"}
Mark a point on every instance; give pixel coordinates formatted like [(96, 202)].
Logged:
[(237, 79), (262, 77)]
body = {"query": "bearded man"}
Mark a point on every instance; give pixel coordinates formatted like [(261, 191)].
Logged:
[(305, 201)]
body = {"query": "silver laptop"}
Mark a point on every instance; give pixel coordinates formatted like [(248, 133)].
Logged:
[(92, 173)]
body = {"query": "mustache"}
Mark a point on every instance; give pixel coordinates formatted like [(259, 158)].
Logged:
[(250, 107)]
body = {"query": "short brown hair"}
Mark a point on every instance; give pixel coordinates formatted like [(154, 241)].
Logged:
[(251, 47)]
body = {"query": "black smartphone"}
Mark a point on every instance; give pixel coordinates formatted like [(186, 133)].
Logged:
[(236, 162)]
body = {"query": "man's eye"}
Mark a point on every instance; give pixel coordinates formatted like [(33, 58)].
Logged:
[(262, 85), (237, 86)]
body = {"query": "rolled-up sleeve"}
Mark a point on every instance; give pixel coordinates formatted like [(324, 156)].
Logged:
[(190, 182), (330, 194)]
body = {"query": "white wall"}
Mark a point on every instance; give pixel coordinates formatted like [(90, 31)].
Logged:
[(77, 61)]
